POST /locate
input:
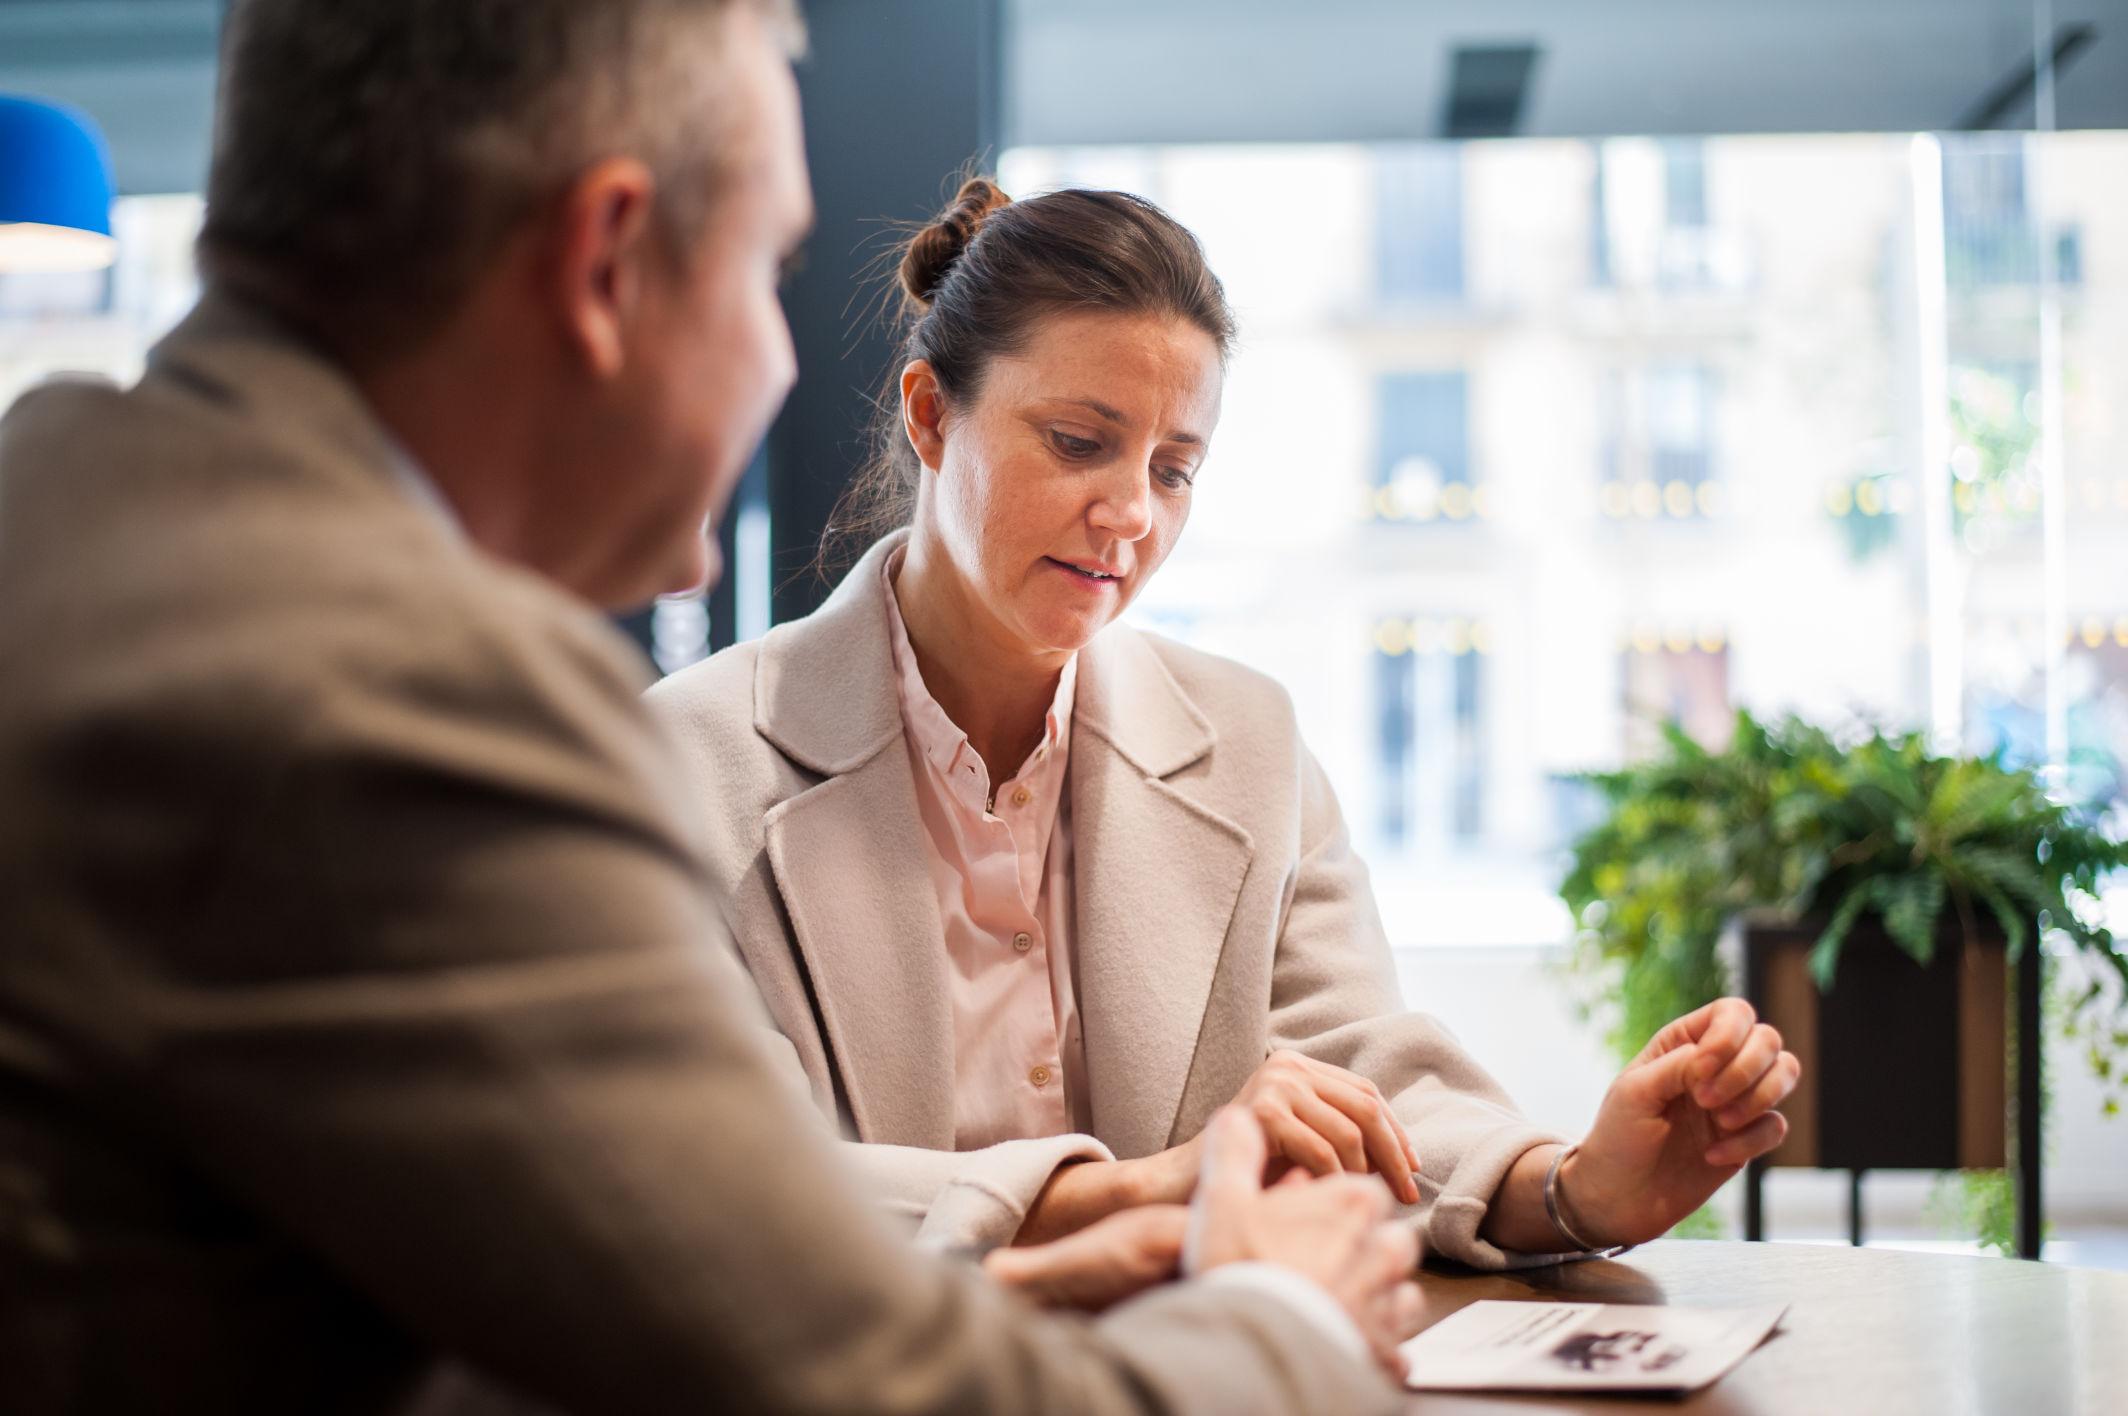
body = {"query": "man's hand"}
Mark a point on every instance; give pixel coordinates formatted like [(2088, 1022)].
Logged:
[(1330, 1231), (1678, 1122), (1099, 1266)]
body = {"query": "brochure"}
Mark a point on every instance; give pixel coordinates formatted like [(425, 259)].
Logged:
[(1495, 1345)]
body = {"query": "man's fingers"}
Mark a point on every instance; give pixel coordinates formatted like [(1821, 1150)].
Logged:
[(1384, 1267), (1407, 1309), (1761, 1046), (1754, 1140), (1772, 1087), (1234, 1150), (1390, 1255)]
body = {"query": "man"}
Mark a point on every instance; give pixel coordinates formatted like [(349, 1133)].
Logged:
[(364, 1041)]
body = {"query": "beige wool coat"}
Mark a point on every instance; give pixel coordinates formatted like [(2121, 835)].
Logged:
[(1221, 915)]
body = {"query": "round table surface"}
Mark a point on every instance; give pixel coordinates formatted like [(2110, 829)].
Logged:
[(1867, 1330)]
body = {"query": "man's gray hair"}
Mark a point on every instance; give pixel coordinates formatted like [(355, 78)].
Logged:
[(370, 156)]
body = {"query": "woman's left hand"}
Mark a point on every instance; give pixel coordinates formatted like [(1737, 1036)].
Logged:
[(1681, 1119)]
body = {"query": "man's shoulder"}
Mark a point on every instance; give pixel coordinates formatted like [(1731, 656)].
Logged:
[(221, 565)]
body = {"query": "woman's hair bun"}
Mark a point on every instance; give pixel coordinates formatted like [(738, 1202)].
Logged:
[(932, 251)]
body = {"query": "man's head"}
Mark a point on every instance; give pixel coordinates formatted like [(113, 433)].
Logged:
[(545, 236)]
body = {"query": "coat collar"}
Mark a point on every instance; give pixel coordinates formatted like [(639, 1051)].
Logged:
[(824, 684)]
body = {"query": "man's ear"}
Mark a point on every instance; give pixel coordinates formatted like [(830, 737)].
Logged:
[(605, 244), (923, 412)]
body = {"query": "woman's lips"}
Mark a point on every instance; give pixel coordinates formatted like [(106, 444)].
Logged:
[(1087, 578)]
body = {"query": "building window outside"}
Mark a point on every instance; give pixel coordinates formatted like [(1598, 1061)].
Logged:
[(1989, 238), (1419, 223), (1423, 463), (1680, 677), (1680, 414), (1430, 735), (1577, 415), (1656, 429), (1684, 184)]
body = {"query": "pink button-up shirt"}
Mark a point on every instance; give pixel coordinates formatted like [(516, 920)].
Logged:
[(1001, 867)]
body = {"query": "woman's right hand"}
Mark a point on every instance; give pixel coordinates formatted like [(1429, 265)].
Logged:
[(1324, 1120)]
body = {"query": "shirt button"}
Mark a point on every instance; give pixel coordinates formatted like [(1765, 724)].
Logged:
[(1021, 796), (1039, 1076), (1023, 941)]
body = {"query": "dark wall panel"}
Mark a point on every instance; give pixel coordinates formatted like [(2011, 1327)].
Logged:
[(898, 95)]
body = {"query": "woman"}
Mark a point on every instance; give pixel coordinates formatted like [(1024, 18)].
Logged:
[(1029, 894)]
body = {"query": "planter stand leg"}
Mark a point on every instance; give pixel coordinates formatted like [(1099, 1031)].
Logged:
[(1854, 1208), (2030, 1226)]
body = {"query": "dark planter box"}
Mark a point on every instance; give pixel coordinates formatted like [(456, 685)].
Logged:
[(1905, 1067)]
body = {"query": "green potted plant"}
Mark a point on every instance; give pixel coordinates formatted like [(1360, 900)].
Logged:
[(1874, 861)]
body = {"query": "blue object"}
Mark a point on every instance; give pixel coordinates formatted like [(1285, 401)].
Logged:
[(55, 188)]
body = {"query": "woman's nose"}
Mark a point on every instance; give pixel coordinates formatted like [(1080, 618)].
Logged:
[(1125, 509)]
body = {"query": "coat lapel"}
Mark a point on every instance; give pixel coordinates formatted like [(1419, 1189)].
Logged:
[(848, 859), (1157, 876)]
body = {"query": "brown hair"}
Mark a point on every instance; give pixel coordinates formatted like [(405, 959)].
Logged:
[(369, 159), (977, 280)]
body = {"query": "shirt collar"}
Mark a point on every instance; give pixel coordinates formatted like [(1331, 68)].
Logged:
[(419, 488), (939, 737)]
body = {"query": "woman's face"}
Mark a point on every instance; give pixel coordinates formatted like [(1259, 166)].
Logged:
[(1059, 490)]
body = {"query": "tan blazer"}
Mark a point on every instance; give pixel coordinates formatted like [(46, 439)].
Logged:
[(367, 1033), (1221, 915)]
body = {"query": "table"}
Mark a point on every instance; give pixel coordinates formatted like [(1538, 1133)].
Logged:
[(1868, 1330)]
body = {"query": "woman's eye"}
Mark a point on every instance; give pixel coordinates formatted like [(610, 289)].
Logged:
[(1175, 478), (1074, 447)]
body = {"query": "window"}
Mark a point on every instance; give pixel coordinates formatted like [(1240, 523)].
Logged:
[(1419, 222), (1681, 424), (1696, 497), (1429, 684), (1990, 239), (1657, 436), (1653, 221), (1422, 468), (1680, 676), (1684, 184)]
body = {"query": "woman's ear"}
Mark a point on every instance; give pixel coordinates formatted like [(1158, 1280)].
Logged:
[(923, 412)]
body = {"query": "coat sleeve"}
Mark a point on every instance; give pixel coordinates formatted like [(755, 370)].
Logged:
[(1335, 998), (459, 1019)]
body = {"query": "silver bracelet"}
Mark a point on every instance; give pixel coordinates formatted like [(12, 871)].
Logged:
[(1575, 1243)]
